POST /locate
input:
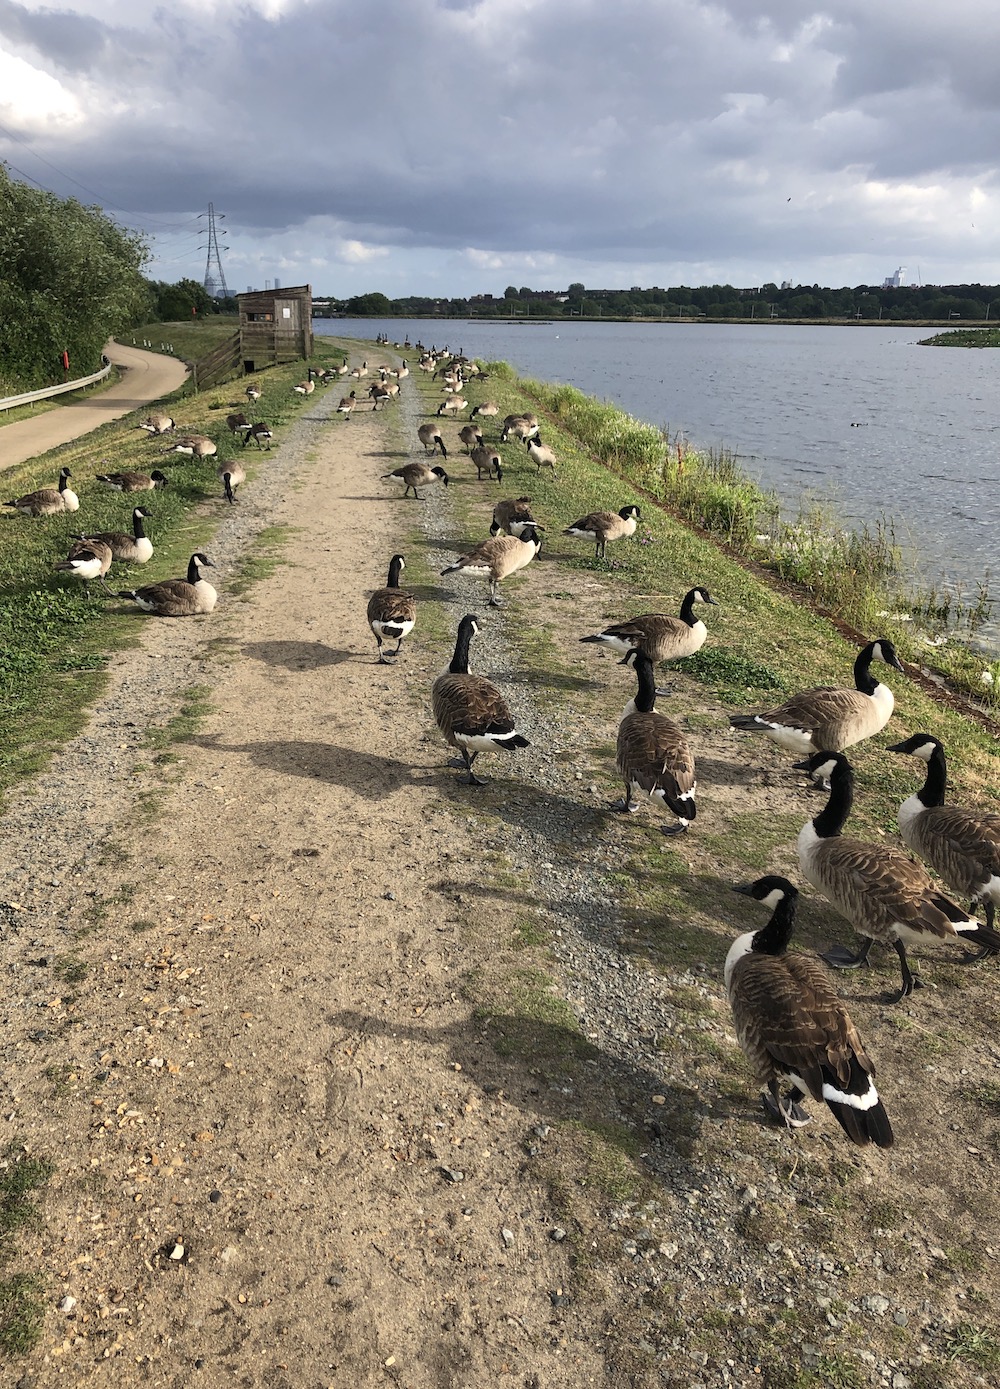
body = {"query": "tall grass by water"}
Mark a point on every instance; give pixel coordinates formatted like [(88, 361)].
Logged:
[(859, 575)]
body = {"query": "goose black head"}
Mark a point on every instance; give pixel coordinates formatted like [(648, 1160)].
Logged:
[(922, 745), (771, 889), (884, 650), (440, 473), (630, 513)]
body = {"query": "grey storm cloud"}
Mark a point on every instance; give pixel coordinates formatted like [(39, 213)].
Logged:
[(655, 132)]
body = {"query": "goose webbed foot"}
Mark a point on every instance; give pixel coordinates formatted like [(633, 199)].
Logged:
[(841, 958), (787, 1112), (973, 957), (624, 806), (670, 830)]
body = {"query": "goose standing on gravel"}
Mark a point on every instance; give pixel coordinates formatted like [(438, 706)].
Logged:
[(231, 475), (498, 558), (48, 501), (430, 436), (602, 526), (880, 890), (795, 1029), (87, 560), (654, 758), (660, 637), (962, 845), (177, 597), (136, 548), (827, 718), (469, 709), (511, 515), (347, 404), (416, 475), (133, 482), (391, 611)]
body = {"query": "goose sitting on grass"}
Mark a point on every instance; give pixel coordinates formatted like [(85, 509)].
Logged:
[(186, 597)]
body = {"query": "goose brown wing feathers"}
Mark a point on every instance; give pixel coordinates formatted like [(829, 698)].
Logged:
[(653, 753), (470, 705), (884, 888), (389, 605)]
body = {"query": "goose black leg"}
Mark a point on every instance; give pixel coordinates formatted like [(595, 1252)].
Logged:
[(785, 1111), (911, 981), (473, 779)]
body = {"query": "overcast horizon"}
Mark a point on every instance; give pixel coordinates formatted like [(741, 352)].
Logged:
[(453, 147)]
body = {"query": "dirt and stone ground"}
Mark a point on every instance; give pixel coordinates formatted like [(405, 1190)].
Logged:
[(351, 1075)]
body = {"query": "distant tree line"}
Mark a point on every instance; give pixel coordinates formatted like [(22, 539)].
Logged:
[(862, 303), (70, 277), (183, 301)]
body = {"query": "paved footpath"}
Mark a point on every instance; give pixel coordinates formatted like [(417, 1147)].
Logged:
[(147, 376)]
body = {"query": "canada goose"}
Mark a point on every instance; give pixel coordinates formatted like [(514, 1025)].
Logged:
[(253, 394), (391, 611), (136, 548), (498, 558), (87, 559), (133, 482), (377, 392), (48, 501), (471, 436), (654, 758), (430, 436), (540, 454), (231, 475), (177, 597), (261, 435), (521, 426), (344, 368), (402, 371), (237, 424), (962, 845), (880, 890), (488, 407), (487, 458), (602, 526), (452, 405), (828, 718), (360, 371), (157, 424), (416, 475), (662, 638), (469, 709), (795, 1029), (304, 387), (512, 515), (194, 445), (347, 404)]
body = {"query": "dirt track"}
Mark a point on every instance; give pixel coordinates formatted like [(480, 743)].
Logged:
[(287, 1068), (147, 376)]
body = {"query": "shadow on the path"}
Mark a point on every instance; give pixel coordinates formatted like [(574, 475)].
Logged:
[(298, 655)]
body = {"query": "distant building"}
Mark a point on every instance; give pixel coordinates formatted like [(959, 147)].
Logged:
[(896, 281), (786, 284), (275, 326)]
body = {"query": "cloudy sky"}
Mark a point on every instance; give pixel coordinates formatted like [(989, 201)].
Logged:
[(457, 146)]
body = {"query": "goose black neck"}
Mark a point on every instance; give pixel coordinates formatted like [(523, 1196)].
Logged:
[(645, 699), (137, 529), (687, 609), (395, 569), (863, 678), (63, 481), (773, 938), (830, 821), (460, 660), (194, 572), (936, 783)]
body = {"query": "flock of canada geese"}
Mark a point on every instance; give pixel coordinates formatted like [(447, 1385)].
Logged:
[(791, 1022), (92, 554)]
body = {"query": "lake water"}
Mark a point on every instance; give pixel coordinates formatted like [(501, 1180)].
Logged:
[(860, 417)]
